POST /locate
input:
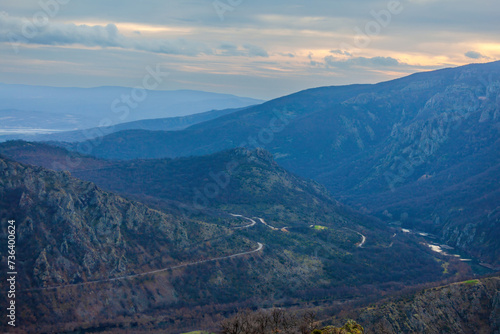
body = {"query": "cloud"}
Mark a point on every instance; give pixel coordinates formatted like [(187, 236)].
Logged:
[(175, 47), (248, 50), (475, 55), (289, 54), (24, 31), (331, 61), (431, 37), (19, 31), (340, 52), (379, 61), (255, 51)]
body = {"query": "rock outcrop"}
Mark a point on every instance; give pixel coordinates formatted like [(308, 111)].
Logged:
[(71, 231), (471, 307)]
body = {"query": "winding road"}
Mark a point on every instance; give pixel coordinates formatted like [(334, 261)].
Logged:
[(253, 223), (266, 224), (246, 226), (260, 246), (152, 272), (363, 238), (362, 241)]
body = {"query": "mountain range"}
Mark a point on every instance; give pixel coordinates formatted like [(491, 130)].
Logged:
[(153, 256), (36, 123), (28, 109), (420, 152), (331, 198)]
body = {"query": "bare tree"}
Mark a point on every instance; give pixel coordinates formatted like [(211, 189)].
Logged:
[(277, 315), (261, 322), (307, 323), (236, 325), (275, 321)]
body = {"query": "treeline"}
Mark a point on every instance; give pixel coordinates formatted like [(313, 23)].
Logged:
[(281, 321)]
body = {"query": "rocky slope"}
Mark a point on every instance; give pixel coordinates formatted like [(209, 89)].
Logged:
[(471, 307), (70, 233), (76, 232)]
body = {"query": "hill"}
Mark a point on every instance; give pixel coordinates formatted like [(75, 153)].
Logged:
[(235, 180), (291, 253), (69, 233), (470, 307), (420, 151)]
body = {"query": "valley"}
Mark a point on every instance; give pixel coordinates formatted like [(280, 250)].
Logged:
[(329, 199), (420, 151), (236, 263), (243, 167)]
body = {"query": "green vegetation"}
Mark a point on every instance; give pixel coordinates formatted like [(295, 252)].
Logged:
[(320, 228), (445, 266), (351, 327), (471, 282)]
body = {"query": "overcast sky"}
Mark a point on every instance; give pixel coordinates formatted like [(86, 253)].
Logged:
[(256, 48)]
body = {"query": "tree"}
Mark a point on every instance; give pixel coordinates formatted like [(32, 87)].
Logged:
[(280, 321), (306, 325)]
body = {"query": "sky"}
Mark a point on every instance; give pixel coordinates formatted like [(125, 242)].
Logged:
[(254, 48)]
